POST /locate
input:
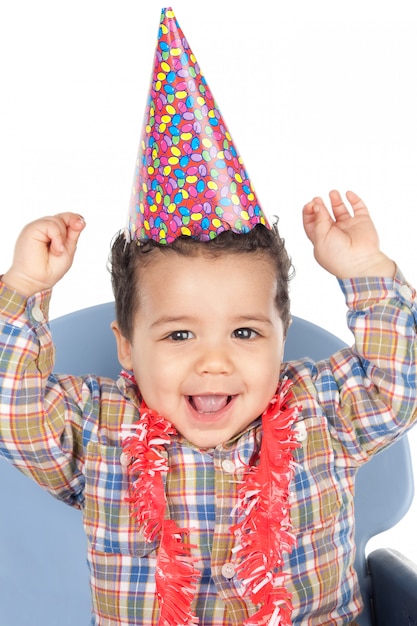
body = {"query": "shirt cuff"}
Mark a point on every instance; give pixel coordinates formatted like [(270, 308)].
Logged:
[(361, 293), (15, 307)]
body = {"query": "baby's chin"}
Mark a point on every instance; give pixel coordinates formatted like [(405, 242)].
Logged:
[(209, 438), (207, 443)]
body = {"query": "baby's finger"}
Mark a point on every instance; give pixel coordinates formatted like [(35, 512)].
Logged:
[(339, 208), (357, 203), (317, 220), (70, 226)]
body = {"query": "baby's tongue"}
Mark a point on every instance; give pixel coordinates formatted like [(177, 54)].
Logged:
[(209, 404)]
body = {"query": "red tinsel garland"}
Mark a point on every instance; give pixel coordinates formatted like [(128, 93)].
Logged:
[(175, 574), (265, 531), (263, 534)]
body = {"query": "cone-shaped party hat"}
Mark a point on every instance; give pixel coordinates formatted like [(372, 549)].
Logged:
[(189, 178)]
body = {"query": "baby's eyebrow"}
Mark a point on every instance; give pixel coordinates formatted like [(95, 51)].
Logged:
[(263, 319), (172, 319)]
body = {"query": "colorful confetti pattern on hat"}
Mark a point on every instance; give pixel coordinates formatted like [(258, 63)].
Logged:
[(189, 177)]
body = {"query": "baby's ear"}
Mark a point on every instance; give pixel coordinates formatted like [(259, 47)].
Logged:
[(124, 347)]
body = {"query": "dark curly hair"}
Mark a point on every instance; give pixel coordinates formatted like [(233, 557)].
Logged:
[(127, 259)]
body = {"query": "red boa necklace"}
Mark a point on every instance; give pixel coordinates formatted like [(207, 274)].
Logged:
[(262, 536)]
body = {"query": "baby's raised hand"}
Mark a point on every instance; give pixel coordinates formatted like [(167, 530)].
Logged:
[(346, 244), (44, 252)]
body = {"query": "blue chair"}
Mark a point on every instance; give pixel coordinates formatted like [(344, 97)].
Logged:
[(43, 571)]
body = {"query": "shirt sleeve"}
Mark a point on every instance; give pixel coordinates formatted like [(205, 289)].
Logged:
[(41, 416), (368, 392)]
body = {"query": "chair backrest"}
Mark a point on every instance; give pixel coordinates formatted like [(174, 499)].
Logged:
[(43, 572)]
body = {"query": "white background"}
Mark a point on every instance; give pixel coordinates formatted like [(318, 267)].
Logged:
[(317, 95)]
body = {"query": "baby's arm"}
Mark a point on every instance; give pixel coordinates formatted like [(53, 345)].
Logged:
[(41, 415), (372, 397), (345, 245), (44, 252)]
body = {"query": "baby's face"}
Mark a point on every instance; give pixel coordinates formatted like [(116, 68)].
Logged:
[(207, 343)]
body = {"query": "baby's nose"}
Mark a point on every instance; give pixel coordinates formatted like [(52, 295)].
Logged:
[(215, 360)]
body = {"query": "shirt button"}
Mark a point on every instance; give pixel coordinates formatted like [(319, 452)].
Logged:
[(228, 466), (300, 432), (37, 314), (125, 459), (406, 292), (228, 570)]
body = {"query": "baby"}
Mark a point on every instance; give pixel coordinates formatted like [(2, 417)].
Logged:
[(215, 480), (200, 330)]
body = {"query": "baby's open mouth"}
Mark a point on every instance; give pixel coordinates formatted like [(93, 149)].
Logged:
[(209, 403)]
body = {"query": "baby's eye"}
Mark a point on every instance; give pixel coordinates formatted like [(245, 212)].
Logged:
[(245, 333), (180, 335)]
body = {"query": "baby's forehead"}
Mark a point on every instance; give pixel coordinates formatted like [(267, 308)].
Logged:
[(222, 275)]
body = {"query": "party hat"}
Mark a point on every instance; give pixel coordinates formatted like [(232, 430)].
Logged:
[(189, 177)]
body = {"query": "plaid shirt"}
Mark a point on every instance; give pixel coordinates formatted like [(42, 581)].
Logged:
[(65, 432)]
